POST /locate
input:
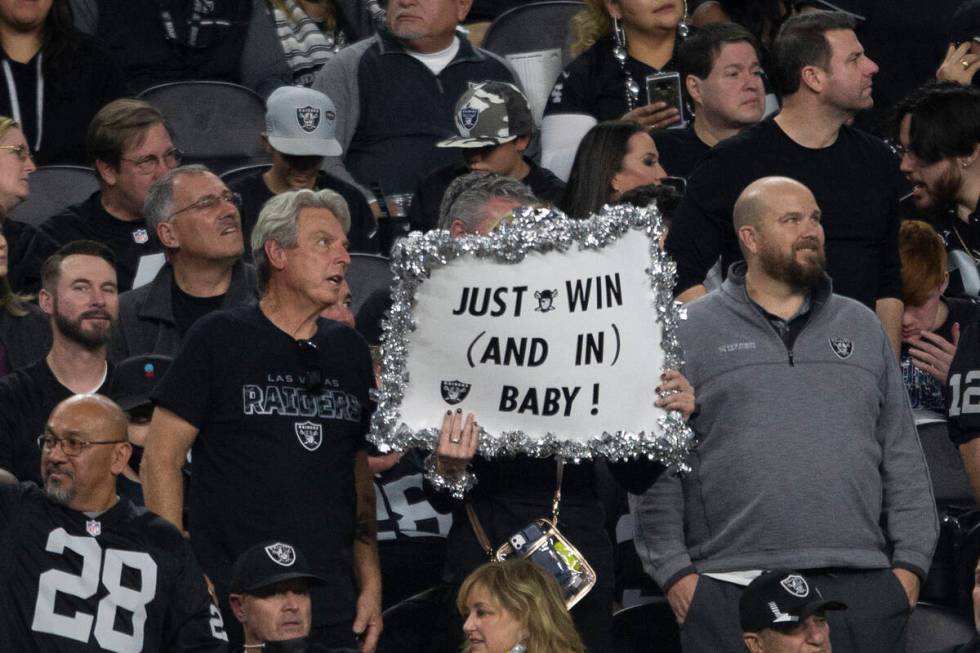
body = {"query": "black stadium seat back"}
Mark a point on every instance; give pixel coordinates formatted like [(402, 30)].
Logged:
[(235, 174), (932, 627), (217, 124), (53, 189), (533, 27), (366, 274)]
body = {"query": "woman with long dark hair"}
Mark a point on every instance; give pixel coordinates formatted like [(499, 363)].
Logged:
[(614, 157), (54, 78)]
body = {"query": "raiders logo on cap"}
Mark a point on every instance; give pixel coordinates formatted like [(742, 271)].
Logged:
[(308, 118), (281, 554)]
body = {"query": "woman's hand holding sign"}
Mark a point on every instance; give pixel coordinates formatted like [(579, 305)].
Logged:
[(457, 443), (675, 393)]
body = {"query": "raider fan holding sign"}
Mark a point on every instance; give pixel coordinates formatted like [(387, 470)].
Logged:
[(512, 330)]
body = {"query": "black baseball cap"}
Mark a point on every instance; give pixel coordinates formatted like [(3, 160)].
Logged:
[(270, 563), (781, 599), (134, 379)]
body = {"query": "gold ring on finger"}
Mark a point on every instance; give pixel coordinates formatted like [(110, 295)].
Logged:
[(456, 440), (964, 63)]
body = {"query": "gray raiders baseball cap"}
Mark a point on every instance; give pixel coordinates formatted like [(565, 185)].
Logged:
[(301, 122), (490, 113)]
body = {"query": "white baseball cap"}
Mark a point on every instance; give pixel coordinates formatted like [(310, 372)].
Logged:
[(301, 122)]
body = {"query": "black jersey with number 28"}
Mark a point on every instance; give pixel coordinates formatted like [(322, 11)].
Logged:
[(124, 580)]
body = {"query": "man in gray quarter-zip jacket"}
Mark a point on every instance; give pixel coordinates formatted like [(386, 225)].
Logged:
[(808, 456)]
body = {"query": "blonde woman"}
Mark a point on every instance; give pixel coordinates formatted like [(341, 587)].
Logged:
[(620, 43), (515, 607)]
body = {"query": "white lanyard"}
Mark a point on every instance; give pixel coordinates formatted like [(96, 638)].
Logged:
[(15, 104)]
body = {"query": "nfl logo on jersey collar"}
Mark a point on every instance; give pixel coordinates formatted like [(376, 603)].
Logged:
[(93, 527)]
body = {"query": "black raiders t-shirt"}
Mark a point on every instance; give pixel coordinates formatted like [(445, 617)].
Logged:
[(128, 240), (27, 397), (273, 460), (122, 580)]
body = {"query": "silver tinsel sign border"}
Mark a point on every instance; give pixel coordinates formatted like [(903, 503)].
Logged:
[(533, 230)]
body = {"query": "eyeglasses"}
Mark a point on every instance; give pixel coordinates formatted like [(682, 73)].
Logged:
[(211, 201), (311, 365), (70, 446), (146, 165), (22, 152)]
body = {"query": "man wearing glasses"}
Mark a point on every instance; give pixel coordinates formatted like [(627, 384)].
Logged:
[(130, 147), (81, 300), (274, 403), (85, 570), (196, 218)]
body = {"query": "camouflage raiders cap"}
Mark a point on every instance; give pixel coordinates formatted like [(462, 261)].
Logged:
[(490, 113)]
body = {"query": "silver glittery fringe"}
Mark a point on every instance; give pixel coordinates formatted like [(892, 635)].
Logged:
[(533, 230)]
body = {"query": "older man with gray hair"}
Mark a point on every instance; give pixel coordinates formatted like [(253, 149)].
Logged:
[(274, 402), (476, 202), (196, 219)]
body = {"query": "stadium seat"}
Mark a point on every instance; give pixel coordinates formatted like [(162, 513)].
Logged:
[(367, 273), (536, 38), (647, 628), (533, 27), (53, 189), (214, 123), (932, 627), (233, 175)]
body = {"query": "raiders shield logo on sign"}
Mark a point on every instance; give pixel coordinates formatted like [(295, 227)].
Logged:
[(310, 434), (454, 392), (308, 119), (468, 116), (795, 585), (93, 527), (842, 347), (281, 554), (141, 236)]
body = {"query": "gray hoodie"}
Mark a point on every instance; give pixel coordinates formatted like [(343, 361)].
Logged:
[(808, 453)]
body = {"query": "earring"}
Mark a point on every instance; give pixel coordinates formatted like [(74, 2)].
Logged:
[(519, 648), (682, 28), (619, 34)]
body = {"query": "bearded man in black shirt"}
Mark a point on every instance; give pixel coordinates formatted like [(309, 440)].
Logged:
[(81, 297), (84, 570), (274, 402)]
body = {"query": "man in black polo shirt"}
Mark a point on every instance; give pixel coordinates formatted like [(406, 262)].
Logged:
[(495, 126), (80, 296), (274, 402), (131, 147)]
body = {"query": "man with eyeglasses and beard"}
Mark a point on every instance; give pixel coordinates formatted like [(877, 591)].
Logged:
[(196, 218), (808, 456), (273, 401), (130, 147), (80, 295), (85, 570)]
